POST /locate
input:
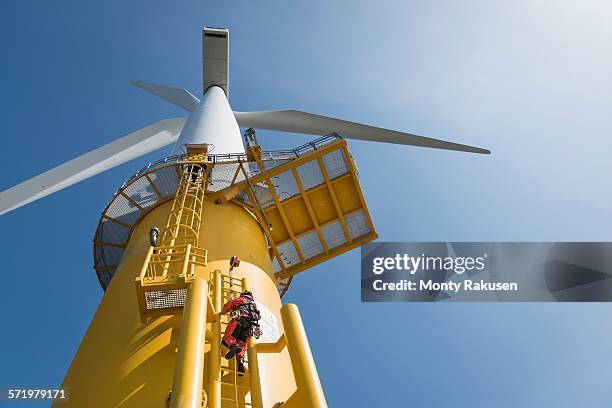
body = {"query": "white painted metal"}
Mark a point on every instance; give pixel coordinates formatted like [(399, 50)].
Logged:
[(302, 122), (178, 96), (212, 122), (215, 44), (129, 147)]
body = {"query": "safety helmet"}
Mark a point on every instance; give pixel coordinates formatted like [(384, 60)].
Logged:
[(247, 293)]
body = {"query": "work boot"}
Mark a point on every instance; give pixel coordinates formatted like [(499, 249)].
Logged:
[(240, 364), (233, 351)]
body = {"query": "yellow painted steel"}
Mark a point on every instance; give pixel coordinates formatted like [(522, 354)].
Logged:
[(309, 390), (214, 364), (287, 220), (254, 376), (277, 347), (139, 354), (184, 220), (254, 380), (189, 370), (125, 363), (170, 266)]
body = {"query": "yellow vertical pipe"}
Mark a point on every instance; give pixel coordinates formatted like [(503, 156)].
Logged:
[(214, 367), (254, 380), (303, 366), (189, 369)]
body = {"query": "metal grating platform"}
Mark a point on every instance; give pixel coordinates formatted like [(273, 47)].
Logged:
[(310, 195), (166, 299), (311, 208)]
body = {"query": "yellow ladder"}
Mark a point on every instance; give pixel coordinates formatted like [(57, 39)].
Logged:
[(226, 387), (169, 267), (185, 217)]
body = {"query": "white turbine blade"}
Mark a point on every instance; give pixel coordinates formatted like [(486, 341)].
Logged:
[(129, 147), (308, 123), (178, 96)]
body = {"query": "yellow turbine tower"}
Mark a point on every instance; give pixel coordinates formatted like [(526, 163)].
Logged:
[(163, 246)]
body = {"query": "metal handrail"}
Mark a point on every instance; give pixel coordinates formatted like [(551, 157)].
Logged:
[(186, 255), (237, 157), (105, 260)]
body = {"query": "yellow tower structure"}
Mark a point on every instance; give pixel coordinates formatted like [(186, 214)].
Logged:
[(155, 339)]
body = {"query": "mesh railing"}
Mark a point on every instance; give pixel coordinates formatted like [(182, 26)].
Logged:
[(157, 183)]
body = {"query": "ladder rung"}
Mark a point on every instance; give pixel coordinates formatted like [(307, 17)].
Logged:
[(229, 368), (229, 288), (225, 276), (233, 371), (248, 404), (230, 282), (244, 387)]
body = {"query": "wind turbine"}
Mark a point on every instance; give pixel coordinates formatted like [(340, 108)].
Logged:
[(155, 337)]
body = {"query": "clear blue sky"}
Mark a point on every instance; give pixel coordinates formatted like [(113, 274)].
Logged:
[(528, 79)]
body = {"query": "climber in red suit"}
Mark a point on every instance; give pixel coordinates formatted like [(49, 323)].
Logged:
[(244, 324)]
